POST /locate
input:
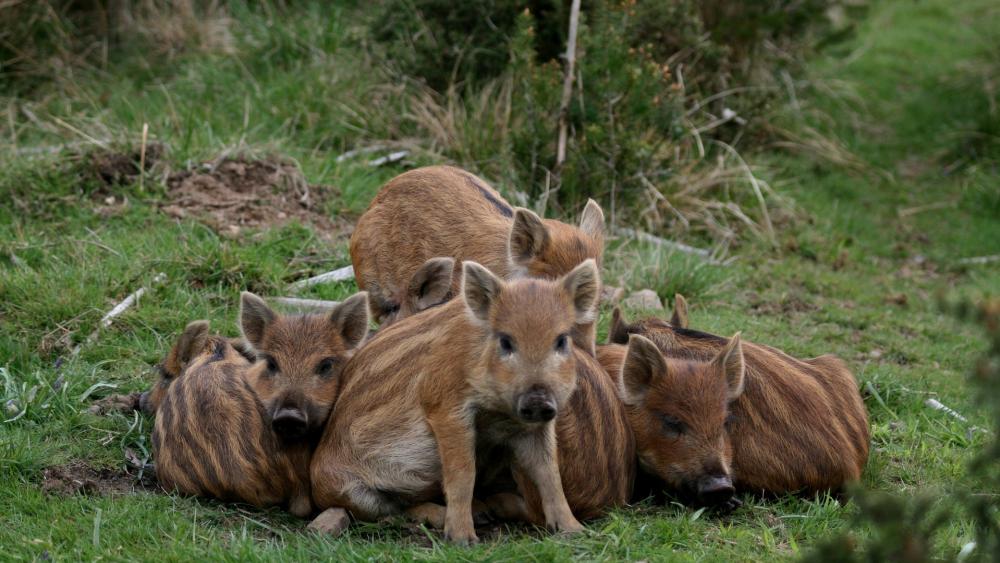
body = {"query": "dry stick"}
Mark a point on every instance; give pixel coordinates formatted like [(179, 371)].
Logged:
[(305, 304), (142, 158), (679, 246), (938, 406), (567, 92), (118, 309), (928, 207), (363, 150), (980, 259), (389, 158), (340, 274)]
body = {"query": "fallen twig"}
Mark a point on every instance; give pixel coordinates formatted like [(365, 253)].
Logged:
[(929, 207), (363, 150), (938, 406), (980, 259), (340, 274), (389, 158), (305, 304), (679, 246), (118, 309)]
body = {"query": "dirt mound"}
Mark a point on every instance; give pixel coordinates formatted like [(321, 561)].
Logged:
[(78, 477), (235, 193)]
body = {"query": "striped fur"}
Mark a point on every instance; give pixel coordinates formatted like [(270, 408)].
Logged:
[(211, 437), (434, 405), (243, 428), (797, 426), (445, 211)]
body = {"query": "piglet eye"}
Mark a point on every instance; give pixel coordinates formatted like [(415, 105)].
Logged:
[(671, 425), (562, 343), (325, 367), (506, 344), (272, 364)]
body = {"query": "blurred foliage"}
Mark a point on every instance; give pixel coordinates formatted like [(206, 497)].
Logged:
[(45, 39), (641, 126), (903, 528)]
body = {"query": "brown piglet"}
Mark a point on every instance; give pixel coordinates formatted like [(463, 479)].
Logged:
[(241, 429), (445, 211), (713, 415), (441, 402)]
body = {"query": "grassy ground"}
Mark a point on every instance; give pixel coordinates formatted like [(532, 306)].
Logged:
[(909, 97)]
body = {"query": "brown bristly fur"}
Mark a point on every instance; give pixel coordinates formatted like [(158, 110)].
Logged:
[(243, 428), (431, 285), (436, 406), (445, 211), (797, 426)]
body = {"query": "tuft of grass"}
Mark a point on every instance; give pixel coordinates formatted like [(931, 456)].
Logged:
[(299, 83)]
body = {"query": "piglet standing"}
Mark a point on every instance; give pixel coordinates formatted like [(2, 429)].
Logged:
[(470, 387)]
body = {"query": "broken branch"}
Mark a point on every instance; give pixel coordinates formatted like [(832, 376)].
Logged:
[(340, 274), (305, 304), (117, 310)]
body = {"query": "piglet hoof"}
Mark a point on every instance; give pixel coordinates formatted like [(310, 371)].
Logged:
[(568, 527), (331, 521), (461, 537)]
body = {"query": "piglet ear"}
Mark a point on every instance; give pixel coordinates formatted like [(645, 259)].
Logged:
[(192, 341), (592, 220), (642, 366), (529, 237), (680, 317), (189, 344), (730, 362), (350, 319), (255, 315), (480, 289), (584, 287), (618, 330), (431, 283)]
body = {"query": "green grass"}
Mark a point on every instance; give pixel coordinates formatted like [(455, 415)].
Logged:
[(905, 95)]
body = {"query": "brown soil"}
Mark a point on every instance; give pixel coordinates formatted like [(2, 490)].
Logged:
[(78, 477), (236, 193), (114, 168)]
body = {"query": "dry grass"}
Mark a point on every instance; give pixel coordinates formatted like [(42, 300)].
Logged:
[(50, 39)]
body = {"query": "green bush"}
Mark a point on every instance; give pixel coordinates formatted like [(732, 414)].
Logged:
[(633, 142)]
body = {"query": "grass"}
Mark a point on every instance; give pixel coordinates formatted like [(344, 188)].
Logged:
[(905, 97)]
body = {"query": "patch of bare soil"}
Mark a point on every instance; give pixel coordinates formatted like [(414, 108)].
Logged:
[(78, 477), (237, 193), (114, 168)]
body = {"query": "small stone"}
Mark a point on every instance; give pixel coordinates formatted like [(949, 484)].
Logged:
[(643, 299), (611, 294)]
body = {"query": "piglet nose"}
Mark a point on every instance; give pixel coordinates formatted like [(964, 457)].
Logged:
[(536, 405), (289, 422), (715, 489)]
